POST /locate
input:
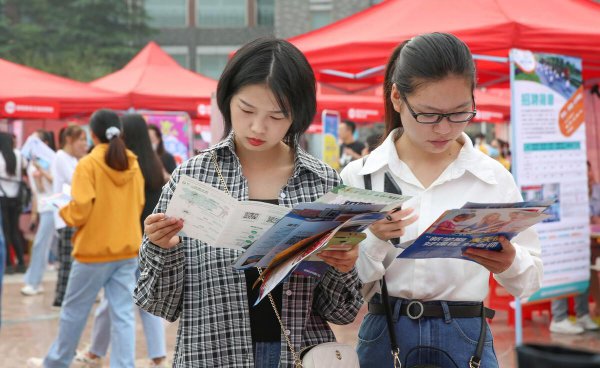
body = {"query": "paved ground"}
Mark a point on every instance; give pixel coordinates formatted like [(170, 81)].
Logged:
[(29, 326)]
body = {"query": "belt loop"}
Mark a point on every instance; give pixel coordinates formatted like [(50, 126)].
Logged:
[(447, 316), (396, 311)]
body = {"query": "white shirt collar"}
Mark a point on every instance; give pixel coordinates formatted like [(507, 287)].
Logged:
[(469, 159)]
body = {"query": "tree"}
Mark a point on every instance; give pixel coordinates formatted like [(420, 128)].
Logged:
[(79, 39)]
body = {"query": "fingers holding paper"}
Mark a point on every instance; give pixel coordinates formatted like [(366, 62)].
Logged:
[(342, 261), (394, 224), (162, 230), (495, 261)]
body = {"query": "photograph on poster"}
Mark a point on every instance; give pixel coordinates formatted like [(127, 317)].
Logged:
[(546, 191)]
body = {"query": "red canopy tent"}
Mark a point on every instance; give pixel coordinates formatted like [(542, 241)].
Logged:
[(31, 93), (155, 81), (358, 46)]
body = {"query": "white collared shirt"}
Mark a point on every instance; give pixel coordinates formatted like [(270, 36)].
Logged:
[(472, 177)]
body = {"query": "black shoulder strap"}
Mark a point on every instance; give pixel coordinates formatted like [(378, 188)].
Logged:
[(384, 293)]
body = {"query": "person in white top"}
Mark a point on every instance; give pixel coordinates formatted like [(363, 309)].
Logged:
[(40, 179), (436, 303), (73, 141), (11, 173)]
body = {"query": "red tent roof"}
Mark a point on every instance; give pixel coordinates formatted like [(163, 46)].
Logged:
[(154, 80), (32, 93), (490, 27)]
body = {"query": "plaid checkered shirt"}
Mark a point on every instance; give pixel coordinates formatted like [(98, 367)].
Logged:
[(197, 283)]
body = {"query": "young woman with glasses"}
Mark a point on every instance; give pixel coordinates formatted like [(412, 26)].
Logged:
[(428, 91)]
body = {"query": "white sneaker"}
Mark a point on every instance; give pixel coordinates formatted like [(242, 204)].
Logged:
[(565, 327), (29, 290), (587, 323), (35, 363), (82, 360)]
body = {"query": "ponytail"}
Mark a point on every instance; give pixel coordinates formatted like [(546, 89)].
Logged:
[(391, 116), (107, 127)]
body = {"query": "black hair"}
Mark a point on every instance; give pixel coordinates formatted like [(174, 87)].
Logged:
[(373, 141), (422, 59), (46, 137), (351, 125), (160, 149), (135, 134), (116, 155), (284, 69), (7, 146)]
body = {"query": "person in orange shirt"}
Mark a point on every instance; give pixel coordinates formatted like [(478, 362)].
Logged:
[(107, 201)]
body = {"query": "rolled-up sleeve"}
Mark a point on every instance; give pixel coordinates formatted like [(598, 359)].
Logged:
[(337, 296)]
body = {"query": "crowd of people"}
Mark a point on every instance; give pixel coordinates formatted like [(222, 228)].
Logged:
[(114, 235)]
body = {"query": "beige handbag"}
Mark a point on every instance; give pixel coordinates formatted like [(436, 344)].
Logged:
[(327, 355)]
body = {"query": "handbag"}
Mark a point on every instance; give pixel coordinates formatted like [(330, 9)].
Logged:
[(551, 356), (326, 355), (23, 197)]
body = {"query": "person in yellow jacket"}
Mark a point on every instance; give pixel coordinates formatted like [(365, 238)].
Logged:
[(107, 201)]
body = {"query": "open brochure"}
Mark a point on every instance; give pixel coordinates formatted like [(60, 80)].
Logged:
[(279, 239), (475, 225)]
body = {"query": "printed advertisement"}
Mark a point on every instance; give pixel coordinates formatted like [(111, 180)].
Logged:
[(331, 149), (549, 163), (176, 129)]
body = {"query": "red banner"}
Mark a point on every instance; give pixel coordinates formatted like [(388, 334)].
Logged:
[(29, 109)]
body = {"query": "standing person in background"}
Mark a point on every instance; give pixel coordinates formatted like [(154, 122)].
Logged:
[(481, 143), (135, 134), (437, 303), (40, 179), (73, 141), (373, 141), (11, 173), (108, 198), (167, 159), (350, 149), (497, 152)]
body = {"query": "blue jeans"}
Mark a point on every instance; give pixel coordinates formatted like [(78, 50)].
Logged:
[(267, 354), (456, 336), (154, 331), (85, 281), (2, 262), (560, 307), (44, 238)]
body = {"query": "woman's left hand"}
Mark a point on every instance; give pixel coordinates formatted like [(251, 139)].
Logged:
[(494, 261), (341, 260)]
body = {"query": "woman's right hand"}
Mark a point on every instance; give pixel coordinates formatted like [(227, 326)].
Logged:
[(393, 225), (162, 230)]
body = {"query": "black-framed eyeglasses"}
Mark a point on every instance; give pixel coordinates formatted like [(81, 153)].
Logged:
[(434, 118)]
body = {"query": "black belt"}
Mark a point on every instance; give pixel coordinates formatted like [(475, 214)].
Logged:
[(416, 309)]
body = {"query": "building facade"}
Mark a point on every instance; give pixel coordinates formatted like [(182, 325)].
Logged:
[(200, 34)]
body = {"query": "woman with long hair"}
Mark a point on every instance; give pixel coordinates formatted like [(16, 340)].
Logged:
[(11, 173), (135, 134), (107, 201), (267, 96), (167, 159), (437, 304), (42, 219), (74, 145)]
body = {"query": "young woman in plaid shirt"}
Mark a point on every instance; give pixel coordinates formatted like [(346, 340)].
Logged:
[(267, 96)]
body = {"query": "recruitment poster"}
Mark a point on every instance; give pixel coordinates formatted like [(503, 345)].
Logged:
[(549, 154), (176, 129), (331, 150)]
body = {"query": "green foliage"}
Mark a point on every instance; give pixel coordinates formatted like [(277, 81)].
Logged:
[(79, 39)]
